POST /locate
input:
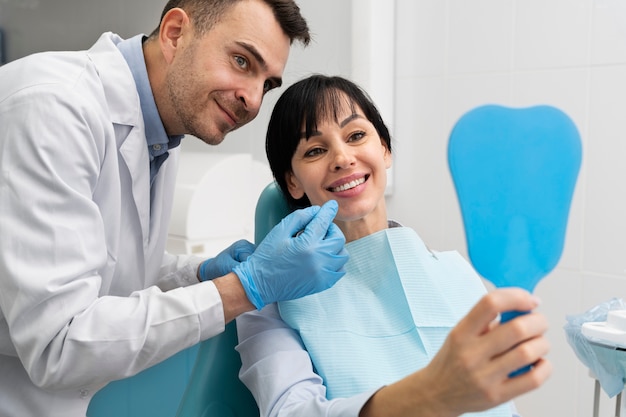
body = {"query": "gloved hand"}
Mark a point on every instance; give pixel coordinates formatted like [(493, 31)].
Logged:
[(225, 261), (288, 265)]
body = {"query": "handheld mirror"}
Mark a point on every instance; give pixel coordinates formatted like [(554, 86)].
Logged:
[(514, 170)]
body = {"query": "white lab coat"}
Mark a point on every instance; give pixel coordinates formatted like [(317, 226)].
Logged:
[(81, 240)]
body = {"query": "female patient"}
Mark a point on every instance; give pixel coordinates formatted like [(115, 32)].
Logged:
[(407, 331)]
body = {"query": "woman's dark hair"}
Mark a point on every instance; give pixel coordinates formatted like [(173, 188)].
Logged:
[(206, 13), (303, 104)]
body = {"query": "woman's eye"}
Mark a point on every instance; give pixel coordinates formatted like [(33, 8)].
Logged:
[(241, 61), (313, 152), (267, 86), (356, 136)]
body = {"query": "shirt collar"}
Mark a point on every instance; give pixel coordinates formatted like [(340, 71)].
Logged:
[(132, 51)]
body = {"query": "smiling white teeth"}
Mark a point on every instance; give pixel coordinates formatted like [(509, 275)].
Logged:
[(349, 185)]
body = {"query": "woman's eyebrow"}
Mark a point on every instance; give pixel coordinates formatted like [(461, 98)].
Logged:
[(349, 119), (342, 124)]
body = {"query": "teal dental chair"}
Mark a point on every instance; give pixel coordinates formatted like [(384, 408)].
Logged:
[(214, 389), (154, 392), (202, 381)]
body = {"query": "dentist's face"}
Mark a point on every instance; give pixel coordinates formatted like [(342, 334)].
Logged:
[(216, 81), (344, 160)]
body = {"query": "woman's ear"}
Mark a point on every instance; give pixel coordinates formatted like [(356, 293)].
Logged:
[(294, 186), (174, 25)]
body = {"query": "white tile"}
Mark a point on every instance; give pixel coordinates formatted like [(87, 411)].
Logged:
[(480, 36), (330, 46), (552, 34), (564, 88), (608, 37), (605, 202), (574, 237), (453, 227), (419, 157), (420, 37), (463, 93), (598, 289)]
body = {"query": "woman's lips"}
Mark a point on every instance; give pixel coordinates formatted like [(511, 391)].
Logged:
[(348, 185)]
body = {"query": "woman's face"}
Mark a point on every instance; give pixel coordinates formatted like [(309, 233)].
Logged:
[(344, 160)]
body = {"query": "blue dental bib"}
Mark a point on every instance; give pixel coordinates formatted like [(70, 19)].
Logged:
[(388, 316)]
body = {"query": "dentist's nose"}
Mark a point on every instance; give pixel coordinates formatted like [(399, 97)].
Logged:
[(251, 96)]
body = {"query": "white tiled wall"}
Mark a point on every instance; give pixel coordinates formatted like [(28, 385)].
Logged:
[(453, 55)]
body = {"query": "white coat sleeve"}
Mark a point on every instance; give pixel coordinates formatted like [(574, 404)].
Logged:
[(63, 326), (278, 370), (179, 271)]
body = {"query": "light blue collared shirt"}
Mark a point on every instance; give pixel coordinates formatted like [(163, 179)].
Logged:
[(157, 140)]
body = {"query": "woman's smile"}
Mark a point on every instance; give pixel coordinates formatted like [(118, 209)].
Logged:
[(348, 185)]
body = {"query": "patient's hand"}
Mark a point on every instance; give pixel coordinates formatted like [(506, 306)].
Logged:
[(471, 371)]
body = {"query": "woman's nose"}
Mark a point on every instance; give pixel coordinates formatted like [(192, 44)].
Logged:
[(343, 159)]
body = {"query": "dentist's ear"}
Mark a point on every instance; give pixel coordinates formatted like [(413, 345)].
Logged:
[(174, 25), (294, 186)]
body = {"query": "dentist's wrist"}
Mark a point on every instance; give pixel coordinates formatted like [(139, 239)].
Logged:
[(234, 298)]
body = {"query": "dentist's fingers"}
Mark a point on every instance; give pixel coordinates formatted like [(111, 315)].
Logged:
[(241, 249), (320, 224), (297, 221)]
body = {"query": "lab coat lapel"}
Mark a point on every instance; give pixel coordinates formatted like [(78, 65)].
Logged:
[(124, 109), (135, 154)]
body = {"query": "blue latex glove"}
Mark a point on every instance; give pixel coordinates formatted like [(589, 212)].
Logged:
[(225, 261), (288, 264)]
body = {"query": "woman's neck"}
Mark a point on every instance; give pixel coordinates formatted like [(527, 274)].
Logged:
[(364, 226)]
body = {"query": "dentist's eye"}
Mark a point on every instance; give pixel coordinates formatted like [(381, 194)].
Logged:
[(268, 85), (241, 62)]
